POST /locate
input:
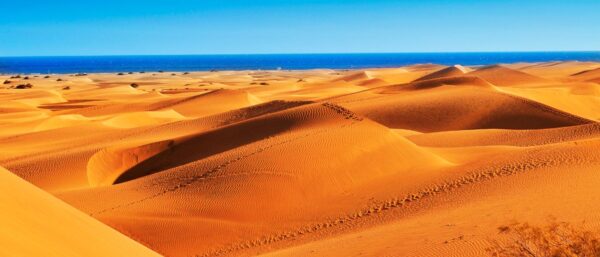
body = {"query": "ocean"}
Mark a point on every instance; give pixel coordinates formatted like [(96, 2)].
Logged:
[(106, 64)]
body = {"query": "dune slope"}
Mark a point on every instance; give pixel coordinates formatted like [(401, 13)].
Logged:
[(467, 106), (35, 223), (503, 76)]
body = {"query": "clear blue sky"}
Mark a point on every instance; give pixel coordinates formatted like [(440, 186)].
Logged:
[(109, 27)]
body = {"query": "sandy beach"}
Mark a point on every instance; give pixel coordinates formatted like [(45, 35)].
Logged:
[(421, 160)]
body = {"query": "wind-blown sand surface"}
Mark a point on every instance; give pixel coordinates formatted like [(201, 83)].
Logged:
[(424, 160)]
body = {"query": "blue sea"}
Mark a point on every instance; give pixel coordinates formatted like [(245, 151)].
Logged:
[(92, 64)]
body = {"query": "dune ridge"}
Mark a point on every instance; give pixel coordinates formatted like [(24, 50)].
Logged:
[(503, 76), (452, 71), (592, 75)]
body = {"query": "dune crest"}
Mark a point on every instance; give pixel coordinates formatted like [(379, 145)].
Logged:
[(452, 71), (592, 75), (139, 119), (361, 76), (443, 81), (503, 76)]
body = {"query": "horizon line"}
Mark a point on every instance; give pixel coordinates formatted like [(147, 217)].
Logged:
[(308, 53)]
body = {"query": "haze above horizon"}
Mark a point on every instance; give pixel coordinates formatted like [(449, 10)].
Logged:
[(66, 28)]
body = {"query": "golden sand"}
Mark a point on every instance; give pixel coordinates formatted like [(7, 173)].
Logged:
[(423, 160)]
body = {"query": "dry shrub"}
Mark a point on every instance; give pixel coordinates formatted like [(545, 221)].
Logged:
[(557, 239), (24, 86)]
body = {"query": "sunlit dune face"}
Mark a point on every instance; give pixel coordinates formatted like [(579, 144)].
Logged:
[(423, 160)]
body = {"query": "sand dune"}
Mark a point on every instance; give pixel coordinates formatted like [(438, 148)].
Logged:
[(373, 82), (575, 97), (554, 70), (442, 81), (34, 97), (139, 119), (247, 162), (503, 76), (422, 160), (588, 75), (34, 223), (142, 160), (213, 102), (361, 75), (452, 71), (457, 108), (488, 137)]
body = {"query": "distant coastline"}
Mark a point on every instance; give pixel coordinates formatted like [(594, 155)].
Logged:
[(174, 63)]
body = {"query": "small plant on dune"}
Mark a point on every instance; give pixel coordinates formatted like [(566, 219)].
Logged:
[(134, 85), (6, 82), (66, 88), (24, 86), (59, 80), (558, 239)]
